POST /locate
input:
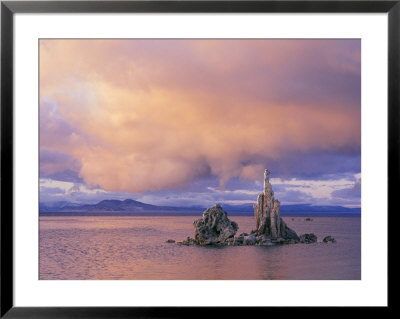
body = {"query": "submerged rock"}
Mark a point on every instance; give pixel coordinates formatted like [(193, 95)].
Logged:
[(215, 227), (249, 240), (263, 240), (188, 242), (238, 241), (329, 239), (268, 216), (308, 238)]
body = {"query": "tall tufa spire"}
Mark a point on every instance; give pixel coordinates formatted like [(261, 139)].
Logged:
[(267, 214), (267, 186), (266, 177)]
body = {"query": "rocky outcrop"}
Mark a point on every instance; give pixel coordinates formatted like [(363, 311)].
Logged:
[(268, 216), (308, 238), (329, 239), (243, 239), (214, 228)]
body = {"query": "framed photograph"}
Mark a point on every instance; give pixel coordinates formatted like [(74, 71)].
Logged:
[(162, 155)]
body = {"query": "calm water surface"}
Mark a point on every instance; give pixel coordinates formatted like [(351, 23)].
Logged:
[(114, 247)]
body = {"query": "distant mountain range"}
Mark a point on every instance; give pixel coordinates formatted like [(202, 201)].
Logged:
[(133, 207)]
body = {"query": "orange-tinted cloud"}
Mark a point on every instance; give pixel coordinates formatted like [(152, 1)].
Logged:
[(153, 114)]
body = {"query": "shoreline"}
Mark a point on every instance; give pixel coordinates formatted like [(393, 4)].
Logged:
[(160, 214)]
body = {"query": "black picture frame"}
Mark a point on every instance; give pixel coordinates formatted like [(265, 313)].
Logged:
[(9, 8)]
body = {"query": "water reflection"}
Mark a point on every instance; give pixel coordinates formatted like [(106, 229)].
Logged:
[(134, 248)]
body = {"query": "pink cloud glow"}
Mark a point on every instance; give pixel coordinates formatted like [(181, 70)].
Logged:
[(145, 115)]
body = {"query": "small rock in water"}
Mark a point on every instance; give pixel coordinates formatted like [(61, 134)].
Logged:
[(249, 240), (238, 241), (308, 238), (328, 239), (170, 241), (265, 242), (188, 242)]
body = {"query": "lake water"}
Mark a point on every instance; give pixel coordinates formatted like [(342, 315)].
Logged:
[(134, 247)]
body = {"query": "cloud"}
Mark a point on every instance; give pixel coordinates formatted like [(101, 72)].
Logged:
[(349, 195), (59, 166), (55, 190), (149, 115), (49, 191), (343, 190)]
